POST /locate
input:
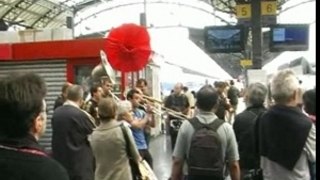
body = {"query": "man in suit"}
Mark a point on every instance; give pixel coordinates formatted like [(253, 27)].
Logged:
[(71, 127)]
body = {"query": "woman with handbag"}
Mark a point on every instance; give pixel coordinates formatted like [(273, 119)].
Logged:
[(109, 145)]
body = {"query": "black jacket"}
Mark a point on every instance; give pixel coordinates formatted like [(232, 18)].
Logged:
[(177, 103), (233, 95), (283, 134), (58, 102), (16, 165), (243, 126), (70, 145)]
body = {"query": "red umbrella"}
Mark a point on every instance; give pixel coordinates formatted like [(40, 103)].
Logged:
[(128, 47)]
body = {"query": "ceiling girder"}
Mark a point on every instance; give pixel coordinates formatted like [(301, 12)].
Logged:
[(12, 5), (47, 17)]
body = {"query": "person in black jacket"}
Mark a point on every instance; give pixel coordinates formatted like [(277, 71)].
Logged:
[(287, 137), (70, 129), (233, 95), (223, 102), (22, 122), (62, 97), (244, 127), (179, 102)]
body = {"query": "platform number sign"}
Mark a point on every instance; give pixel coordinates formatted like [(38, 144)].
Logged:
[(268, 13), (243, 11), (268, 7)]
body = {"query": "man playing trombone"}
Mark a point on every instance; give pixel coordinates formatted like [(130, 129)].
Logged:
[(140, 121), (142, 86), (177, 101)]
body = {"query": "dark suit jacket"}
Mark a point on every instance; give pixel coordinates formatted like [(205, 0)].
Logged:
[(70, 145), (244, 124), (58, 102), (16, 165)]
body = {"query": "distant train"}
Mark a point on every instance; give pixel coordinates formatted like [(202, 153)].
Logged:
[(305, 71)]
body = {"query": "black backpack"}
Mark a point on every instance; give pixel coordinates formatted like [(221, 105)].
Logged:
[(205, 153)]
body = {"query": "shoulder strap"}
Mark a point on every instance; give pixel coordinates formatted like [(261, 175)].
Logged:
[(257, 135), (216, 124), (126, 139), (198, 125)]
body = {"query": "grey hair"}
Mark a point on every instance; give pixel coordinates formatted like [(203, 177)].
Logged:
[(257, 93), (123, 107), (283, 86), (75, 93)]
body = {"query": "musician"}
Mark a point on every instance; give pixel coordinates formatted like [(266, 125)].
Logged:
[(141, 119), (91, 106), (107, 86), (179, 102), (224, 104), (142, 86), (191, 100)]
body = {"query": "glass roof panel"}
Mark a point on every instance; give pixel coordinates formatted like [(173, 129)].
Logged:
[(70, 3)]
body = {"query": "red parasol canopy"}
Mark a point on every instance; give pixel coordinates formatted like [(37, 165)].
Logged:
[(128, 47)]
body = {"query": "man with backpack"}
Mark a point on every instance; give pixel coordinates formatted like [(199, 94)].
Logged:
[(206, 143)]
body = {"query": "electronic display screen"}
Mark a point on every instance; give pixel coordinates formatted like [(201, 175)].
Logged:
[(224, 39), (293, 37)]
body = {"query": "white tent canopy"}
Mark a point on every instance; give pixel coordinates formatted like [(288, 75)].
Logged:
[(188, 13), (175, 48)]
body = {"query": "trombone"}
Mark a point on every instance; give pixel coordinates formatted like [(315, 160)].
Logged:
[(168, 110)]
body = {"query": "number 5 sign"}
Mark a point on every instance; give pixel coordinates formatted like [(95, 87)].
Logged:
[(243, 11)]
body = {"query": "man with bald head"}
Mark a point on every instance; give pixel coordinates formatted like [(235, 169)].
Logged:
[(179, 102), (71, 127)]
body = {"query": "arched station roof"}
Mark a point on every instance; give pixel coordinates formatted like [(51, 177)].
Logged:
[(53, 13)]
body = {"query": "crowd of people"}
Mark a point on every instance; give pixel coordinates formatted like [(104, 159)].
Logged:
[(101, 138)]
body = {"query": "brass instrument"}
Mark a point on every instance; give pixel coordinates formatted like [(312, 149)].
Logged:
[(151, 99), (168, 110), (104, 70)]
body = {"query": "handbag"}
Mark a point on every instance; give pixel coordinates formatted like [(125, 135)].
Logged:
[(135, 170), (146, 171), (139, 170)]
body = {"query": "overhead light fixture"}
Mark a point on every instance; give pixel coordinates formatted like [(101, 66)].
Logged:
[(3, 25)]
